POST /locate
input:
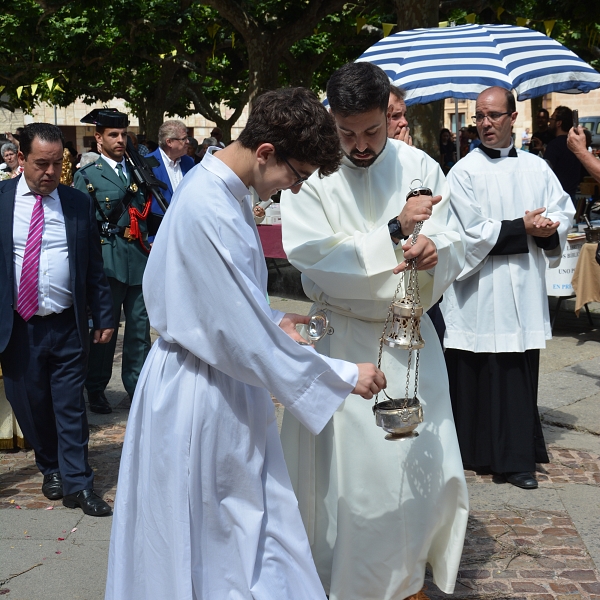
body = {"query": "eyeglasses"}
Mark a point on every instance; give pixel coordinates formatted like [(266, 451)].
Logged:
[(183, 139), (493, 117), (301, 179)]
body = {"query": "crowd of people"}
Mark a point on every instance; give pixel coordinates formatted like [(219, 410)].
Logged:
[(212, 502)]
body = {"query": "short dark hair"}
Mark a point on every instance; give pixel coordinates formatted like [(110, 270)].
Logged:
[(565, 115), (357, 88), (298, 125), (398, 92), (511, 104), (546, 113), (43, 131)]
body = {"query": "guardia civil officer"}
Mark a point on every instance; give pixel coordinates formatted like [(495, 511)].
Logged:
[(121, 212)]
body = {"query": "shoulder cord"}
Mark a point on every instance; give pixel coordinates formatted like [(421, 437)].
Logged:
[(92, 192)]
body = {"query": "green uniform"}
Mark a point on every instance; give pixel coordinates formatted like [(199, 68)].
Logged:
[(124, 263)]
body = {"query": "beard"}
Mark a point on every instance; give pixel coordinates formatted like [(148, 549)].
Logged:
[(364, 162)]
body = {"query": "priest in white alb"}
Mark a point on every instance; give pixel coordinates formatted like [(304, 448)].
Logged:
[(376, 511), (514, 217), (204, 507)]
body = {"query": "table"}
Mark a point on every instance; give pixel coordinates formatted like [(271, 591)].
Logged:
[(559, 281), (586, 279), (270, 238)]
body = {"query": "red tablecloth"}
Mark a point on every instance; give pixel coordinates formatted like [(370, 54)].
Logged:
[(270, 237)]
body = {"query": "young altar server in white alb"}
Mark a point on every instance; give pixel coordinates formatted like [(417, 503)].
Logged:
[(376, 511), (205, 508), (512, 211)]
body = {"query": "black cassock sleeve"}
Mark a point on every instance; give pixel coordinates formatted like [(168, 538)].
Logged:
[(547, 243), (512, 239)]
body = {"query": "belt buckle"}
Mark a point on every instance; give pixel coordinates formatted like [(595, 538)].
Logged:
[(127, 234)]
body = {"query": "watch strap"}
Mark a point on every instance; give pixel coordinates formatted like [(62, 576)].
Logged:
[(395, 229)]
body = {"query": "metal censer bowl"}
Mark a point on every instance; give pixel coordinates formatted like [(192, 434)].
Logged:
[(400, 423)]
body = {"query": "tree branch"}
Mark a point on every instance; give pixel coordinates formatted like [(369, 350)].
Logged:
[(231, 11)]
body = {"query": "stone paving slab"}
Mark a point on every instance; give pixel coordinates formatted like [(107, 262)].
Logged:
[(566, 350), (583, 415), (562, 388), (54, 571)]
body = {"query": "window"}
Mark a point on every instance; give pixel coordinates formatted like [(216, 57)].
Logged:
[(461, 120)]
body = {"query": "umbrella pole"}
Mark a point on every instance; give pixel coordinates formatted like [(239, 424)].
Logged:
[(457, 129)]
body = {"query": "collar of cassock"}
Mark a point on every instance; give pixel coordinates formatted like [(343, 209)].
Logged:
[(499, 152)]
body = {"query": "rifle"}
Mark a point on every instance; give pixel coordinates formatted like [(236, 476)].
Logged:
[(141, 171)]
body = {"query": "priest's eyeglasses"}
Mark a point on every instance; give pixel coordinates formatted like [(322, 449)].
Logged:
[(493, 117), (301, 179)]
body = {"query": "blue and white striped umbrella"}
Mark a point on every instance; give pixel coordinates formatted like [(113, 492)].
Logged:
[(460, 62)]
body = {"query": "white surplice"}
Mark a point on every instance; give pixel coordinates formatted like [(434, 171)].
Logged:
[(375, 511), (204, 507), (499, 303)]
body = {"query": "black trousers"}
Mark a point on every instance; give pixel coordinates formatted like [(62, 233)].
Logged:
[(494, 401), (44, 368)]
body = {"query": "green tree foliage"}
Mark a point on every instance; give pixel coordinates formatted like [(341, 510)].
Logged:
[(213, 56), (176, 56)]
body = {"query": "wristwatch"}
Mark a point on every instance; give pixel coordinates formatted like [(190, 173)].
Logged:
[(395, 229)]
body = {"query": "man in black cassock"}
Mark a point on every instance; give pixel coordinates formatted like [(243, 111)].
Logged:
[(512, 211)]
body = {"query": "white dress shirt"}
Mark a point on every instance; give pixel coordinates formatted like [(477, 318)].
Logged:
[(113, 164), (173, 170), (54, 283)]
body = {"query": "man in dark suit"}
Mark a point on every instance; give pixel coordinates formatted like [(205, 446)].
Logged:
[(51, 272), (173, 164)]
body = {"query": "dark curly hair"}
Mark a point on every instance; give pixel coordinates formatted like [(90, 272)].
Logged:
[(298, 125)]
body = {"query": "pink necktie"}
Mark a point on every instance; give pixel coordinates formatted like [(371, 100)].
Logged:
[(27, 304)]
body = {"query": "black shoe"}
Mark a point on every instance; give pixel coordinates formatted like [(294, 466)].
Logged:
[(52, 486), (99, 403), (523, 480), (89, 502)]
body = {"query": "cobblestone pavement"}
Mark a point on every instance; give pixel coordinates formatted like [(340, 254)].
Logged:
[(21, 482), (566, 466), (510, 553), (517, 553)]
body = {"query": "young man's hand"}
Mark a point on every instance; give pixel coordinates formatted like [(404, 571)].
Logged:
[(370, 381), (289, 322)]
